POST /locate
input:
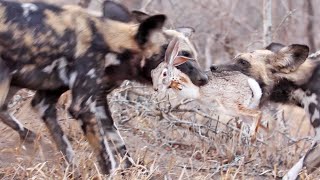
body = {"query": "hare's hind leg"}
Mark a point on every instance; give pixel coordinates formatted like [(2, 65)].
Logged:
[(256, 115)]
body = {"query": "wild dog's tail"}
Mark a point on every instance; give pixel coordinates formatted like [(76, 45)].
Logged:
[(256, 91), (4, 82)]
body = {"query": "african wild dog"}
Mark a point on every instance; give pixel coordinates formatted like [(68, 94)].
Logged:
[(52, 49), (232, 93), (286, 76), (55, 72)]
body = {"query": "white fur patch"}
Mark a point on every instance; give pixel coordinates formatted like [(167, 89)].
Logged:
[(110, 154), (256, 91), (192, 92), (100, 112), (49, 68), (73, 77), (317, 136), (27, 8), (41, 107), (17, 122), (294, 171), (111, 59), (70, 152), (62, 70), (315, 115), (92, 73)]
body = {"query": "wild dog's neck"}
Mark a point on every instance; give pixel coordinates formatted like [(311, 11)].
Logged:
[(282, 91), (312, 83), (131, 67), (283, 85), (118, 36)]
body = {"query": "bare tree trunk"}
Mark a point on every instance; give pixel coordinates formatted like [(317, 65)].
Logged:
[(84, 3), (207, 52), (267, 22), (310, 22)]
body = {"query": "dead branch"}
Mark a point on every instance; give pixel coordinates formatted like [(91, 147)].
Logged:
[(207, 52), (267, 22), (310, 23), (145, 4), (84, 3), (285, 18), (314, 55)]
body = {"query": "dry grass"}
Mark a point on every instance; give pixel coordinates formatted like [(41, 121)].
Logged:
[(165, 144), (170, 144)]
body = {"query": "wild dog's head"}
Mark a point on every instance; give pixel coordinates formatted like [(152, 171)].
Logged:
[(144, 39), (191, 67), (167, 75), (272, 65)]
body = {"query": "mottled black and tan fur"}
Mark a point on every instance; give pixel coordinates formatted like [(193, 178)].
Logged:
[(52, 49), (287, 76)]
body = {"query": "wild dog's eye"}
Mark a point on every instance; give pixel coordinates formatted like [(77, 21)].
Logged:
[(185, 53), (243, 62)]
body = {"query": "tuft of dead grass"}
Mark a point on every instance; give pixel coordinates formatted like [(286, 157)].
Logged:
[(175, 140)]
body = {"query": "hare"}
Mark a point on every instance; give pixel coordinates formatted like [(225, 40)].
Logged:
[(233, 93)]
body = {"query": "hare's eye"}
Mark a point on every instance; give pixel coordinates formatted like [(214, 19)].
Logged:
[(164, 73)]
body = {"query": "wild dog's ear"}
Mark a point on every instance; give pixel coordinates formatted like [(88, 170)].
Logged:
[(289, 58), (149, 26), (274, 47), (187, 31), (139, 16), (115, 11)]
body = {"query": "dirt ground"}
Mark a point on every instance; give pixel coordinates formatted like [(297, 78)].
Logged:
[(176, 146)]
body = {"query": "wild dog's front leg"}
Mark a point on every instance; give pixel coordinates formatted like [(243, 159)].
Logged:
[(25, 134), (86, 86), (44, 102), (311, 160), (98, 125), (112, 134)]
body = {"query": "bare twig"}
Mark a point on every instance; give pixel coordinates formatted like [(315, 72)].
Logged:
[(287, 16), (314, 55), (208, 60), (310, 31), (267, 22)]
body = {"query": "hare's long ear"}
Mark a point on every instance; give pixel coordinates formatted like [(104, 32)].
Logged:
[(180, 60), (172, 51), (186, 31)]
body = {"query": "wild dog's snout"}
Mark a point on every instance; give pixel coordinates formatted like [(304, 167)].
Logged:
[(203, 79)]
